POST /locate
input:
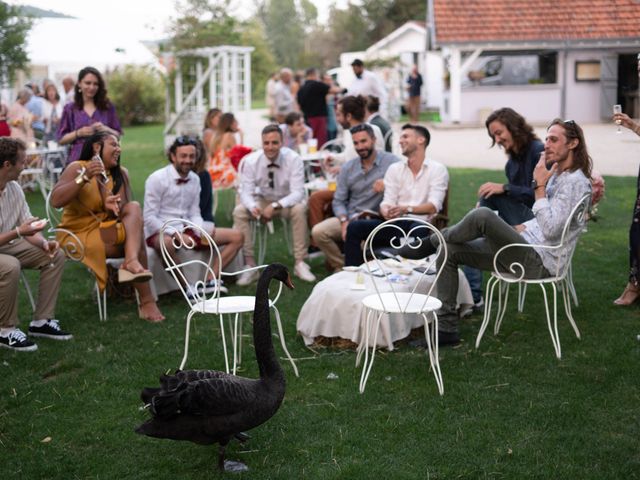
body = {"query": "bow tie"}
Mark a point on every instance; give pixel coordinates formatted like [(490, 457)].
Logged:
[(180, 181), (273, 165)]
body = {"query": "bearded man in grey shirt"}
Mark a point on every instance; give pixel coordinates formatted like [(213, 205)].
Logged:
[(358, 193)]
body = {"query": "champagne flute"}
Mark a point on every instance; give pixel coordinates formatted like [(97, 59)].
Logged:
[(104, 170), (616, 110)]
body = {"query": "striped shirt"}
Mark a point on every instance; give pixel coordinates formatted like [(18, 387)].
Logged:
[(14, 210)]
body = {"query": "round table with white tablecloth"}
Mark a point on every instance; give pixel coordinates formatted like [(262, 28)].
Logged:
[(334, 308)]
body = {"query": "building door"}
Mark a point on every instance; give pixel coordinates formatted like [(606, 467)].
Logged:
[(608, 85), (628, 85)]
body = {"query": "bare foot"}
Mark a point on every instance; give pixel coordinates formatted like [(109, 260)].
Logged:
[(150, 312), (133, 266)]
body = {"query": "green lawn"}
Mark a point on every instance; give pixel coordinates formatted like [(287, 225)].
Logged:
[(510, 409)]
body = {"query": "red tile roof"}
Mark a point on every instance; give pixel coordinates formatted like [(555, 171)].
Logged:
[(478, 21)]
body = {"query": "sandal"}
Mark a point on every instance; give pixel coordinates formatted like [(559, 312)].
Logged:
[(151, 319), (127, 276), (629, 296)]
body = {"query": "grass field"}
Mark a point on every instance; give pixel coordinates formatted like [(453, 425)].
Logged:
[(511, 410)]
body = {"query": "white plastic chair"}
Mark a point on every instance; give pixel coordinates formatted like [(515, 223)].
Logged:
[(214, 304), (559, 279), (389, 300)]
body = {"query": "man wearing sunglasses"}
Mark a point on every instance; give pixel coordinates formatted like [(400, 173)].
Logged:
[(174, 192), (272, 185)]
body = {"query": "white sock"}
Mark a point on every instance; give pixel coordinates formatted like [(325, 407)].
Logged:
[(38, 323), (4, 332)]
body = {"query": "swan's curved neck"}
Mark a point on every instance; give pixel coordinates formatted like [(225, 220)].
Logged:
[(265, 354)]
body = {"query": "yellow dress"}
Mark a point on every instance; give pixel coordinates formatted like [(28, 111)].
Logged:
[(77, 219)]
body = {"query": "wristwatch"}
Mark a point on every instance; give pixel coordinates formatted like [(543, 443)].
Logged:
[(275, 205), (409, 209), (343, 219), (506, 188), (535, 185)]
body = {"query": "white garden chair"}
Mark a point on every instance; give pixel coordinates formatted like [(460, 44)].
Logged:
[(390, 299), (560, 278), (213, 304)]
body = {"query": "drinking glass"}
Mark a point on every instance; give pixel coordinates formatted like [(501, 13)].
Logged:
[(617, 109)]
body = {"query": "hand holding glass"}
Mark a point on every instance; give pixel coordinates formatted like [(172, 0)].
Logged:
[(616, 110)]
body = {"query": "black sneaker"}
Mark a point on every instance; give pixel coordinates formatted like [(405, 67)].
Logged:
[(17, 340), (51, 329)]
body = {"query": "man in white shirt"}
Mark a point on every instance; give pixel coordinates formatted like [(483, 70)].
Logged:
[(414, 189), (272, 185), (174, 192), (367, 83)]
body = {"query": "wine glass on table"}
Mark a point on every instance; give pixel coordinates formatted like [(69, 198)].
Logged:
[(616, 110)]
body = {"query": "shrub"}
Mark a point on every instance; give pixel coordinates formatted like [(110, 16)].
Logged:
[(138, 94)]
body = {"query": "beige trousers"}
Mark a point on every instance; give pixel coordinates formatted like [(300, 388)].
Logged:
[(14, 257), (297, 216), (326, 234)]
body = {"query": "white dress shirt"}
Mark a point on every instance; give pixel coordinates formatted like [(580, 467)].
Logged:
[(368, 84), (165, 198), (288, 179), (429, 186)]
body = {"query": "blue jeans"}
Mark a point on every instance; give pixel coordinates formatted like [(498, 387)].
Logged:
[(511, 211)]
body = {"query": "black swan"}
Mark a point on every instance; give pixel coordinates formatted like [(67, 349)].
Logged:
[(207, 406)]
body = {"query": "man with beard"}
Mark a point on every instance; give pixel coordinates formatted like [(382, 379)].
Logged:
[(358, 193), (413, 189)]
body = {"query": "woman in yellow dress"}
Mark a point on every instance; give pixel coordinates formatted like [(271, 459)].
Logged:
[(95, 189), (223, 175)]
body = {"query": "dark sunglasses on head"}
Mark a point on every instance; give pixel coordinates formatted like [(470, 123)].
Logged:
[(183, 140), (569, 122)]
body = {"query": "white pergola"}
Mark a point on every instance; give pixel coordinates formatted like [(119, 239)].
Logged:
[(223, 72)]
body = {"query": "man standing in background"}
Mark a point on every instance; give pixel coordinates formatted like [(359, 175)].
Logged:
[(414, 85)]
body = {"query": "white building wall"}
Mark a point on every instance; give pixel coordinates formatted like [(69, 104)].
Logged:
[(537, 103), (583, 98)]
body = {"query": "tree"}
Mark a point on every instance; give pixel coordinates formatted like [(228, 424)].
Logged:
[(262, 61), (283, 25), (14, 27), (137, 93)]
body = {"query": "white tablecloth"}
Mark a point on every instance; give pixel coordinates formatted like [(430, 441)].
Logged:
[(335, 310)]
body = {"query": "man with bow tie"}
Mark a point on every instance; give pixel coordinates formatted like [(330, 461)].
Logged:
[(174, 192), (272, 185)]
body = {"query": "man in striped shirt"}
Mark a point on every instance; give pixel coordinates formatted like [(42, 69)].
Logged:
[(23, 246)]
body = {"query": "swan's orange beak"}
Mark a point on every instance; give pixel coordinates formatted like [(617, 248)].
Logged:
[(288, 283)]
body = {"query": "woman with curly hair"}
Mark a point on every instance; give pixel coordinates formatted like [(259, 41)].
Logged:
[(89, 113)]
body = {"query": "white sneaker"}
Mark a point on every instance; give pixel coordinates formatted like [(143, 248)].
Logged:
[(302, 271), (247, 278)]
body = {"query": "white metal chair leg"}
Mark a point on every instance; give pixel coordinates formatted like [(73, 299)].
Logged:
[(502, 307), (282, 342), (569, 280), (491, 285), (186, 341), (101, 298), (567, 307), (235, 337), (553, 328), (363, 334), (432, 347), (368, 363), (27, 287), (287, 234), (522, 294)]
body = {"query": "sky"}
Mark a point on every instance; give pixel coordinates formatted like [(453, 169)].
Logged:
[(148, 19)]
